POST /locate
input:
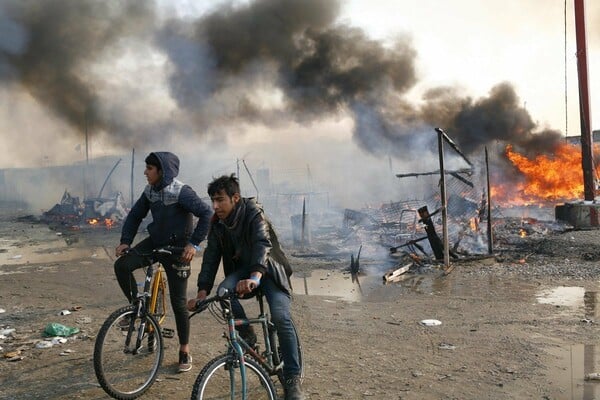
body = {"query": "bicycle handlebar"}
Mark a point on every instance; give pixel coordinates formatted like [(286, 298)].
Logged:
[(202, 305)]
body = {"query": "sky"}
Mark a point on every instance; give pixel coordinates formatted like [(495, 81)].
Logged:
[(350, 85)]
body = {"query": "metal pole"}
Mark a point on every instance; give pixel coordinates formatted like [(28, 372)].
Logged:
[(303, 221), (443, 195), (87, 158), (132, 164), (587, 156), (490, 235), (107, 178)]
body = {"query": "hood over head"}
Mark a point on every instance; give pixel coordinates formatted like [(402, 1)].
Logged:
[(169, 165)]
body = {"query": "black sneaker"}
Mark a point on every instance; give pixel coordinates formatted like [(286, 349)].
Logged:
[(185, 361), (292, 389)]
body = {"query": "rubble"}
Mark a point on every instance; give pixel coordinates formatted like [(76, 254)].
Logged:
[(105, 212)]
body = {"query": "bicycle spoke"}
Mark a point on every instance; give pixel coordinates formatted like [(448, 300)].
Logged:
[(219, 381), (125, 370)]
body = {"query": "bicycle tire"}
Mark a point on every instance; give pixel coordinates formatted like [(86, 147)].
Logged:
[(126, 375), (274, 339), (214, 381)]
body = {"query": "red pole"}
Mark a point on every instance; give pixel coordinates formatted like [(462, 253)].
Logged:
[(587, 160)]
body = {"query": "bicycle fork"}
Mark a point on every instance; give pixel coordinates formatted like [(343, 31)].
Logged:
[(141, 330)]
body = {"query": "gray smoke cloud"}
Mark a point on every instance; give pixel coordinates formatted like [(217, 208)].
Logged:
[(48, 46), (264, 62), (323, 67)]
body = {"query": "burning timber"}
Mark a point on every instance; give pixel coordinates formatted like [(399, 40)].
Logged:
[(92, 212)]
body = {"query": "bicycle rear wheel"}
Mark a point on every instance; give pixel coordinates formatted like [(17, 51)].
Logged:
[(124, 371), (221, 379)]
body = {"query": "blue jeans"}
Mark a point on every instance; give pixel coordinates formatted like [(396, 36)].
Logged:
[(279, 306)]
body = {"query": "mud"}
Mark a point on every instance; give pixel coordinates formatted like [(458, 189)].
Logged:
[(521, 327)]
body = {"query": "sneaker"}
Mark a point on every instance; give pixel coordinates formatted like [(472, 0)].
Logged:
[(185, 361), (292, 390)]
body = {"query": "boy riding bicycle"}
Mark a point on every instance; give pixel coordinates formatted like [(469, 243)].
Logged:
[(245, 241), (172, 205)]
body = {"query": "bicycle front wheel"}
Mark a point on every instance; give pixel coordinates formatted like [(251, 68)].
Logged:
[(221, 379), (125, 366)]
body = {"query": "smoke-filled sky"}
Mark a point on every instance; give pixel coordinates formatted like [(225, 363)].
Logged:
[(374, 75)]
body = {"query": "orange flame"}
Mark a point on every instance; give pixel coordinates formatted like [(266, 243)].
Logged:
[(545, 178), (107, 222)]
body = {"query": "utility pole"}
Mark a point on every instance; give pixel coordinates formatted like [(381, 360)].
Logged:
[(587, 157)]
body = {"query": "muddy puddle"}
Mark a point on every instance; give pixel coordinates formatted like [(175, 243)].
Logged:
[(569, 364), (56, 250), (572, 364), (372, 287), (575, 367)]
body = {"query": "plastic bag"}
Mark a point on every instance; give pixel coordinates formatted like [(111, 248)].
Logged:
[(56, 329)]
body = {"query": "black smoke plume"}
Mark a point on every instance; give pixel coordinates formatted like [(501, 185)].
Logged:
[(264, 62)]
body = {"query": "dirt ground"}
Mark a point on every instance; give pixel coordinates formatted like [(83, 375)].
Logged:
[(521, 326)]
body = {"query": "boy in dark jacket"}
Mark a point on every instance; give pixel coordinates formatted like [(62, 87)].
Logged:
[(244, 240), (172, 205)]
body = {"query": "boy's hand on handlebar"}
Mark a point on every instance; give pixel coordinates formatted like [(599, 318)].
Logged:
[(245, 286), (191, 304), (121, 249), (188, 253)]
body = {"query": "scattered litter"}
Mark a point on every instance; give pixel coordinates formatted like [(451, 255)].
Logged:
[(58, 233), (16, 257), (587, 321), (94, 255), (15, 358), (84, 320), (7, 331), (65, 312), (2, 310), (75, 308), (44, 344), (446, 346), (59, 340), (12, 354), (55, 329), (594, 376), (66, 352), (430, 322)]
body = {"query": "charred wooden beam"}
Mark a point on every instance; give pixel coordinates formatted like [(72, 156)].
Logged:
[(434, 240)]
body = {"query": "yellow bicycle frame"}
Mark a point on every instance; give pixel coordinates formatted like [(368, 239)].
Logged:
[(158, 296)]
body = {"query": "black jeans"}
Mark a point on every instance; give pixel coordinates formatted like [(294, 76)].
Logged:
[(124, 267)]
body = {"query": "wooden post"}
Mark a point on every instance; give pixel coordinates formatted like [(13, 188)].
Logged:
[(490, 235), (587, 155), (443, 196), (434, 239), (302, 240), (132, 166)]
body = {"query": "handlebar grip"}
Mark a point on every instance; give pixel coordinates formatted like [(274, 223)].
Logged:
[(202, 305)]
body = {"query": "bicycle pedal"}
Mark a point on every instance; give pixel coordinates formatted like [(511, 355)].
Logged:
[(168, 333)]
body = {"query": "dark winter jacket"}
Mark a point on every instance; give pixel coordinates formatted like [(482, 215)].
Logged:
[(172, 205), (250, 242)]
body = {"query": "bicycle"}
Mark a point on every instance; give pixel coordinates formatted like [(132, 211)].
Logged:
[(218, 379), (129, 347)]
